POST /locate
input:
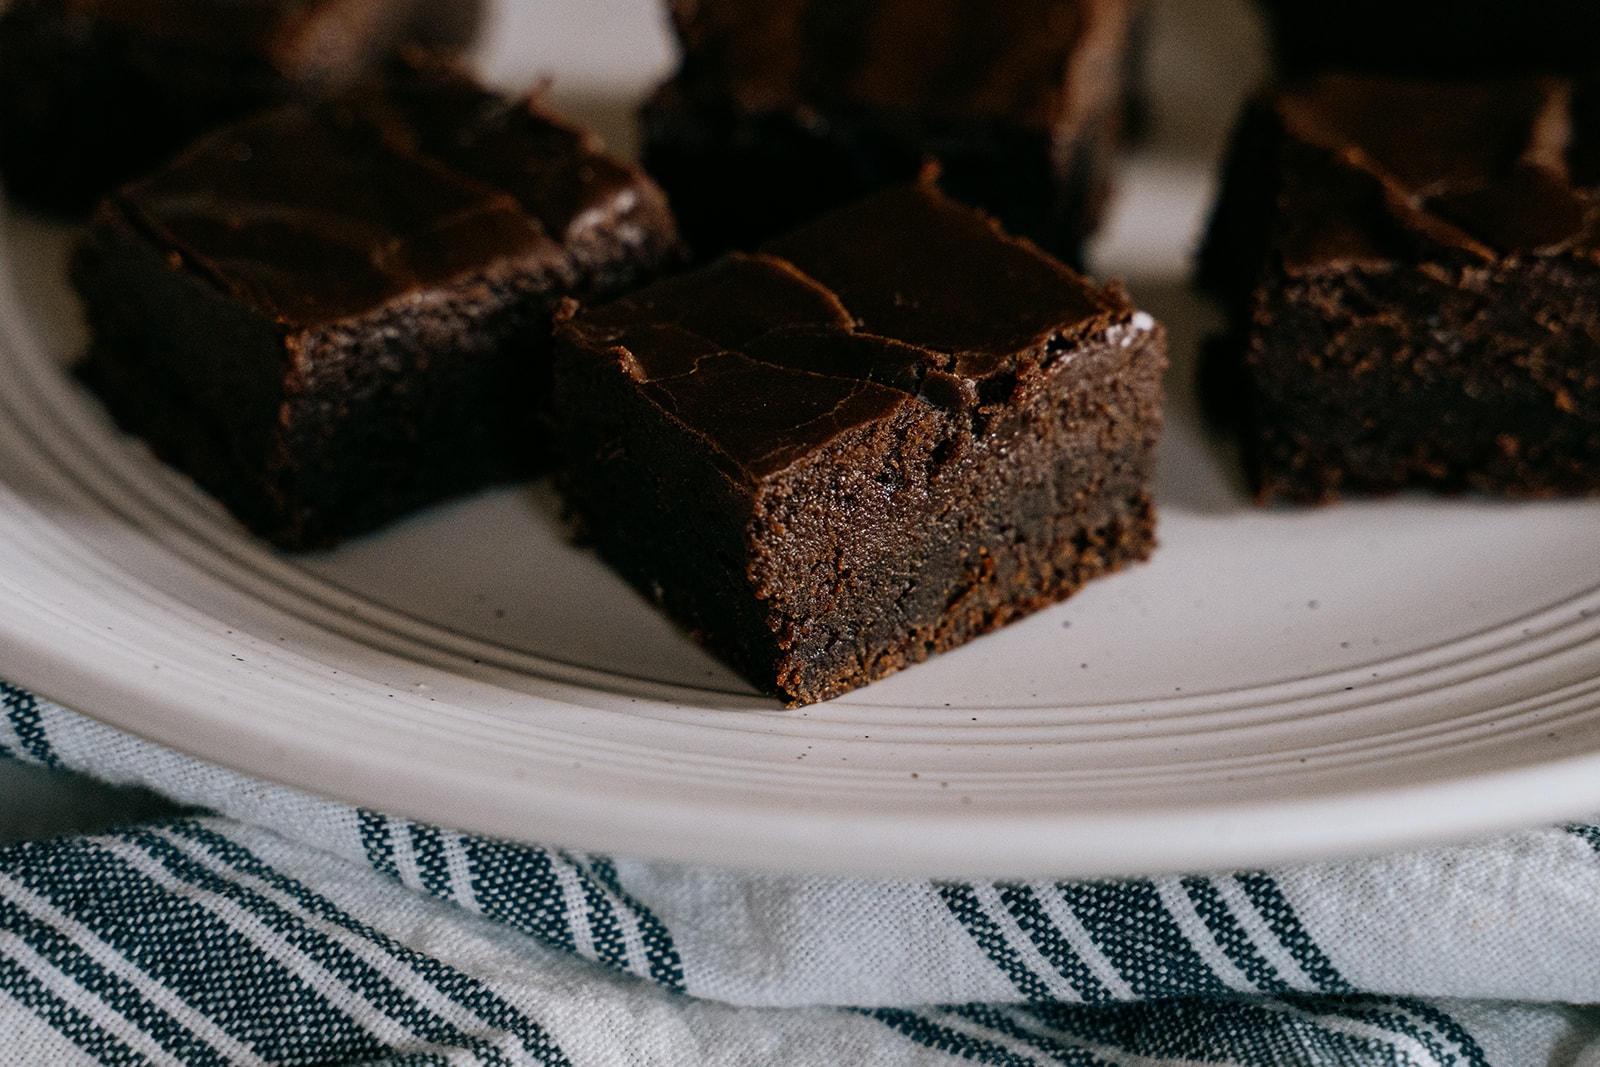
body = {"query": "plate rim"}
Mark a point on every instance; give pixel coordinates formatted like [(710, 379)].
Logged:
[(945, 842)]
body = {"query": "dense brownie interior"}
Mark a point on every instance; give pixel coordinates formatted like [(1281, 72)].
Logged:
[(885, 434), (1411, 269)]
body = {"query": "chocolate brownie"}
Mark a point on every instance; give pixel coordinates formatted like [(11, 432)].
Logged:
[(783, 110), (612, 221), (96, 92), (328, 325), (1436, 38), (1412, 271), (879, 437)]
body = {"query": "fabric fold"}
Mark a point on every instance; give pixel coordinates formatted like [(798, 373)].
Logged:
[(283, 928)]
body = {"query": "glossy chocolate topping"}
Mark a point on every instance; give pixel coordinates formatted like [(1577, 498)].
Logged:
[(772, 355), (895, 277), (730, 303), (558, 172), (316, 222), (1377, 167), (953, 58), (317, 212), (764, 417)]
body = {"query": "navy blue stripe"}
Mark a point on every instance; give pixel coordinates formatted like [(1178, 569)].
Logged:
[(997, 1020), (516, 885), (1444, 1038), (194, 953), (1231, 937), (350, 970), (604, 929), (117, 993), (7, 753), (1585, 832), (456, 986), (1268, 899), (1249, 1033), (1024, 906), (69, 1022), (1132, 928), (964, 905), (1452, 1029), (427, 845), (930, 1034), (23, 711), (665, 965), (376, 843)]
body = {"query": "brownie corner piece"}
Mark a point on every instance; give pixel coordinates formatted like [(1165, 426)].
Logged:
[(1411, 270), (879, 437), (612, 220), (782, 111), (327, 326)]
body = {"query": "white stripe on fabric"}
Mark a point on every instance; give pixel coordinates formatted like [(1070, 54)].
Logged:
[(75, 996), (1055, 907), (428, 997), (9, 736), (40, 1037), (627, 920), (232, 913), (1415, 1051), (1176, 900), (1261, 936), (403, 855), (632, 937), (988, 898), (113, 961), (577, 906), (459, 863)]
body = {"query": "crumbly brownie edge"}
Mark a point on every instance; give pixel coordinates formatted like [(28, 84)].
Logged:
[(633, 248), (294, 465), (669, 512), (1055, 494), (1450, 377), (1388, 361)]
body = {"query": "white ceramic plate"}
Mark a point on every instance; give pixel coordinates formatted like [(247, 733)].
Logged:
[(1273, 685)]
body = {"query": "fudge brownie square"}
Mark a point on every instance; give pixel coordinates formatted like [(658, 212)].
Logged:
[(613, 222), (1435, 38), (885, 434), (780, 111), (327, 328), (96, 92), (1412, 273)]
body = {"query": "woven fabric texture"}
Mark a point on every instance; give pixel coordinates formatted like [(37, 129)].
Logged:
[(272, 927)]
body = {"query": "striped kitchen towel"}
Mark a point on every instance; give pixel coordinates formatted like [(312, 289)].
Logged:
[(273, 927)]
